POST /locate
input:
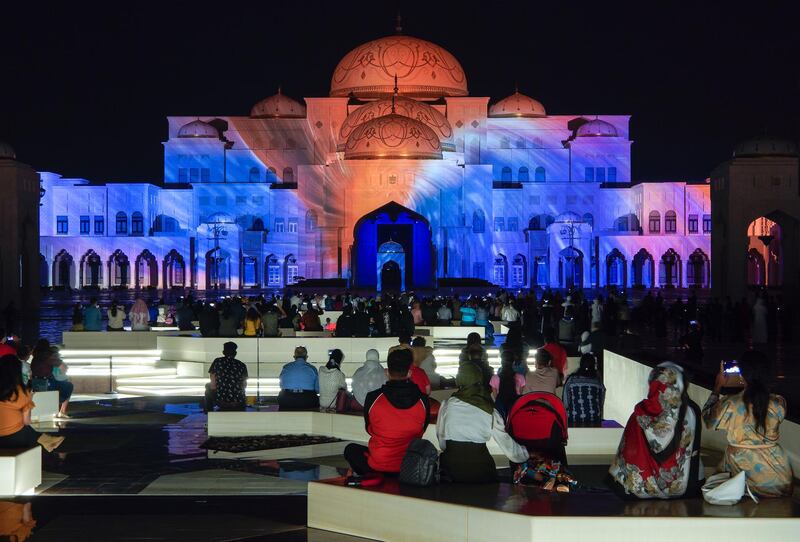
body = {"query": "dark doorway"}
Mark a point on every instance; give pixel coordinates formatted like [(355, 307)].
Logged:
[(390, 277)]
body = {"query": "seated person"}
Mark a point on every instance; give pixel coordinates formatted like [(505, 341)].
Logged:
[(557, 351), (331, 380), (49, 373), (310, 320), (537, 421), (466, 422), (370, 376), (299, 384), (424, 359), (584, 394), (92, 317), (418, 376), (751, 419), (394, 415), (185, 316), (16, 404), (228, 381), (507, 385), (475, 352), (545, 377), (659, 455)]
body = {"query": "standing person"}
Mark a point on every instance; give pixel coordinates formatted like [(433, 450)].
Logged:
[(92, 317), (209, 320), (510, 313), (299, 382), (659, 454), (368, 377), (597, 311), (116, 316), (466, 422), (557, 352), (228, 381), (139, 316), (331, 380), (468, 314), (394, 415), (583, 395), (16, 404), (752, 419), (252, 326), (444, 314), (77, 317), (759, 331), (49, 373)]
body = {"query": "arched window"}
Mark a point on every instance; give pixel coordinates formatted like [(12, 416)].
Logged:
[(518, 271), (255, 175), (523, 176), (288, 175), (122, 223), (311, 221), (655, 222), (670, 222), (539, 175), (273, 269), (540, 222), (589, 219), (500, 270), (272, 175), (292, 269), (258, 225), (505, 174), (478, 222), (137, 223)]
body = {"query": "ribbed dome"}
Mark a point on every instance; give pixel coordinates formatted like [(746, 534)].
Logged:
[(517, 105), (278, 106), (597, 128), (392, 136), (424, 70), (198, 128), (7, 151), (406, 107), (766, 146)]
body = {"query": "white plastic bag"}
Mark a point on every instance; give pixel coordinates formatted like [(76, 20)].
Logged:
[(723, 490)]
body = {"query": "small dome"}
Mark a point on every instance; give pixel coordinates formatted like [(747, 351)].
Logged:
[(7, 151), (278, 106), (406, 107), (766, 146), (393, 136), (517, 105), (198, 128), (391, 246), (597, 128), (424, 70)]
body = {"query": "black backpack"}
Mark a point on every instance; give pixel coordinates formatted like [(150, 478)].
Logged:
[(420, 465)]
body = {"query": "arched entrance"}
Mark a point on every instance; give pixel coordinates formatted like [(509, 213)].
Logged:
[(63, 269), (174, 270), (570, 268), (118, 269), (393, 223), (218, 269), (44, 272), (146, 270), (391, 267), (91, 270), (698, 270), (764, 253), (616, 269), (670, 267), (643, 269)]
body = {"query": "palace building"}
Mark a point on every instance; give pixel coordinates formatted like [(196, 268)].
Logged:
[(396, 179)]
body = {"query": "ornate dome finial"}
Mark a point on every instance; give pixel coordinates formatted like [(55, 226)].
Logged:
[(398, 24), (394, 94)]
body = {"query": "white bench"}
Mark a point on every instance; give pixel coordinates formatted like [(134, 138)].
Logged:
[(20, 471), (46, 406)]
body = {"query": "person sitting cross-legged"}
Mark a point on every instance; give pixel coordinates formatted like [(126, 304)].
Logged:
[(394, 415), (299, 384), (228, 381)]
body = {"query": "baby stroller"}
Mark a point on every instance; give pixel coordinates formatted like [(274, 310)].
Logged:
[(538, 421)]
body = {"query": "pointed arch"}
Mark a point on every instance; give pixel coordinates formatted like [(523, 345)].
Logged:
[(670, 269), (118, 269), (91, 270), (174, 268), (63, 269), (616, 269), (643, 268), (698, 269), (146, 270)]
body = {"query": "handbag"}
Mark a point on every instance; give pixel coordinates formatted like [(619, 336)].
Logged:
[(722, 489), (420, 466)]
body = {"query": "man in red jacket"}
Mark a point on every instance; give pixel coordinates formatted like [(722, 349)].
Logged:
[(394, 414)]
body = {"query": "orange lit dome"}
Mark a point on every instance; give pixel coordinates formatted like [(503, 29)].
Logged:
[(424, 70), (393, 136), (198, 128), (278, 106), (517, 105), (406, 107), (597, 128)]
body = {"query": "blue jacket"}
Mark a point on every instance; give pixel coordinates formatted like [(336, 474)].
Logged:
[(92, 319), (299, 375)]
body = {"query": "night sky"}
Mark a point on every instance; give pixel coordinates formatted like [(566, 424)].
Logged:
[(85, 91)]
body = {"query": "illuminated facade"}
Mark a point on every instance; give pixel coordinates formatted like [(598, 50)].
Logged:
[(398, 177)]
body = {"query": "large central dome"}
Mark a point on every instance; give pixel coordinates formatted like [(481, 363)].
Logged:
[(424, 70)]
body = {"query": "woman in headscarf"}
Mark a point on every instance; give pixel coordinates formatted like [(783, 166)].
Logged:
[(659, 454), (467, 421), (139, 316), (368, 377)]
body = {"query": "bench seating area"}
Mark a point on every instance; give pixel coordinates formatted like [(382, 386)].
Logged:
[(20, 471)]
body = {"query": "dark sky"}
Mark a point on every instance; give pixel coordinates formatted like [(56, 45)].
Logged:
[(84, 91)]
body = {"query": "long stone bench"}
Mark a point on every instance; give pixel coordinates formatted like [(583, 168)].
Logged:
[(583, 441), (117, 340), (20, 471)]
